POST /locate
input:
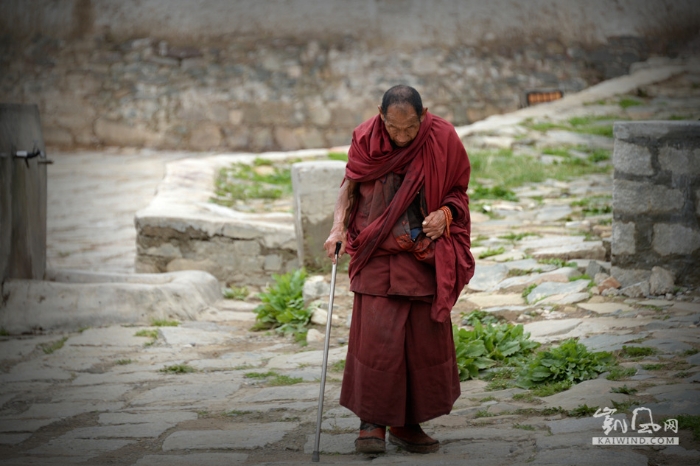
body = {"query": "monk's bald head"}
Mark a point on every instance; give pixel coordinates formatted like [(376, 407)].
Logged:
[(402, 95)]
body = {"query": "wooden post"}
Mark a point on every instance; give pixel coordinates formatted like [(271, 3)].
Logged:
[(22, 194)]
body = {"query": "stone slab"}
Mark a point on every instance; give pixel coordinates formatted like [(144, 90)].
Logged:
[(13, 439), (585, 424), (116, 378), (546, 289), (23, 425), (594, 456), (605, 308), (292, 392), (487, 276), (667, 345), (171, 417), (97, 393), (175, 394), (141, 430), (193, 459), (109, 336), (63, 446), (238, 436), (293, 361), (564, 299), (341, 444), (67, 409), (590, 392), (483, 300), (606, 342), (551, 327), (181, 336), (593, 250)]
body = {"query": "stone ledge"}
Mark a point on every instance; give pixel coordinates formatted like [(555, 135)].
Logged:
[(655, 129), (69, 300), (182, 230)]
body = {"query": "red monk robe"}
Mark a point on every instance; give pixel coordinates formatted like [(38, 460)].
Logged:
[(401, 365)]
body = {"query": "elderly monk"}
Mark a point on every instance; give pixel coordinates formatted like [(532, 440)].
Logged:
[(403, 216)]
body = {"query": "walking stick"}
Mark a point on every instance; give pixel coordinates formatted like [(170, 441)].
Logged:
[(314, 456)]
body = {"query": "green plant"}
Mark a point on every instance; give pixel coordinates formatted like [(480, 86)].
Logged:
[(3, 332), (486, 345), (479, 316), (488, 398), (496, 192), (681, 375), (483, 413), (284, 380), (582, 410), (243, 367), (690, 352), (492, 252), (624, 406), (164, 323), (178, 369), (579, 277), (49, 348), (571, 361), (636, 351), (559, 151), (528, 289), (619, 373), (626, 102), (551, 388), (557, 262), (341, 156), (523, 426), (338, 366), (653, 367), (147, 333), (260, 375), (236, 412), (690, 422), (124, 362), (624, 389), (236, 292), (282, 305), (241, 181), (527, 397), (518, 236)]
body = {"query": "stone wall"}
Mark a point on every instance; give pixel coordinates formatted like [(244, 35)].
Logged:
[(656, 200), (117, 73)]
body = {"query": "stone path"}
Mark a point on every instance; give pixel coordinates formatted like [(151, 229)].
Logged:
[(107, 396)]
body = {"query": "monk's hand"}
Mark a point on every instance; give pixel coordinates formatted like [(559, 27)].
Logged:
[(434, 224), (337, 235)]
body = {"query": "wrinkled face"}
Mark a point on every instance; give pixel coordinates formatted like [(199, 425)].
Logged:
[(402, 123)]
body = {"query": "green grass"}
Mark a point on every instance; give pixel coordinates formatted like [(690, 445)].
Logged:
[(147, 333), (681, 375), (243, 367), (497, 192), (580, 277), (3, 332), (653, 367), (690, 422), (582, 411), (49, 348), (560, 151), (164, 323), (551, 388), (488, 398), (492, 252), (338, 366), (236, 412), (518, 236), (236, 292), (523, 426), (627, 102), (559, 263), (619, 373), (341, 156), (527, 397), (528, 290), (124, 362), (178, 369), (624, 406), (636, 351), (273, 378), (483, 413), (624, 390), (241, 182), (283, 307), (691, 352), (595, 205), (509, 172)]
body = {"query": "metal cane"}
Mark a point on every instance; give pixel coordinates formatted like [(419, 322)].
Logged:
[(314, 456)]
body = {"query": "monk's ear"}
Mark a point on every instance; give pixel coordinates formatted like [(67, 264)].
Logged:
[(379, 107), (422, 115)]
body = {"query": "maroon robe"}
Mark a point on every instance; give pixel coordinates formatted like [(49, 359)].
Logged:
[(401, 366)]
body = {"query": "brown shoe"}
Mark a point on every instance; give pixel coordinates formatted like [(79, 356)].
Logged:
[(371, 438), (412, 438)]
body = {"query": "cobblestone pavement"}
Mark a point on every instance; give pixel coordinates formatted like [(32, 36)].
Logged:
[(189, 394)]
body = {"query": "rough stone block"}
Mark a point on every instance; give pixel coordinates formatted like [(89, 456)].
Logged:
[(627, 277), (680, 161), (119, 134), (633, 197), (632, 158), (316, 187), (236, 436), (661, 281), (675, 239), (623, 241), (594, 268), (636, 290), (205, 136)]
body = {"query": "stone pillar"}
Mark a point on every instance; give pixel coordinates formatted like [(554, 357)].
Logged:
[(656, 200), (316, 186), (22, 194)]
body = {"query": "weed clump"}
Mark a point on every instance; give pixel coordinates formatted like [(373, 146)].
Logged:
[(283, 306)]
